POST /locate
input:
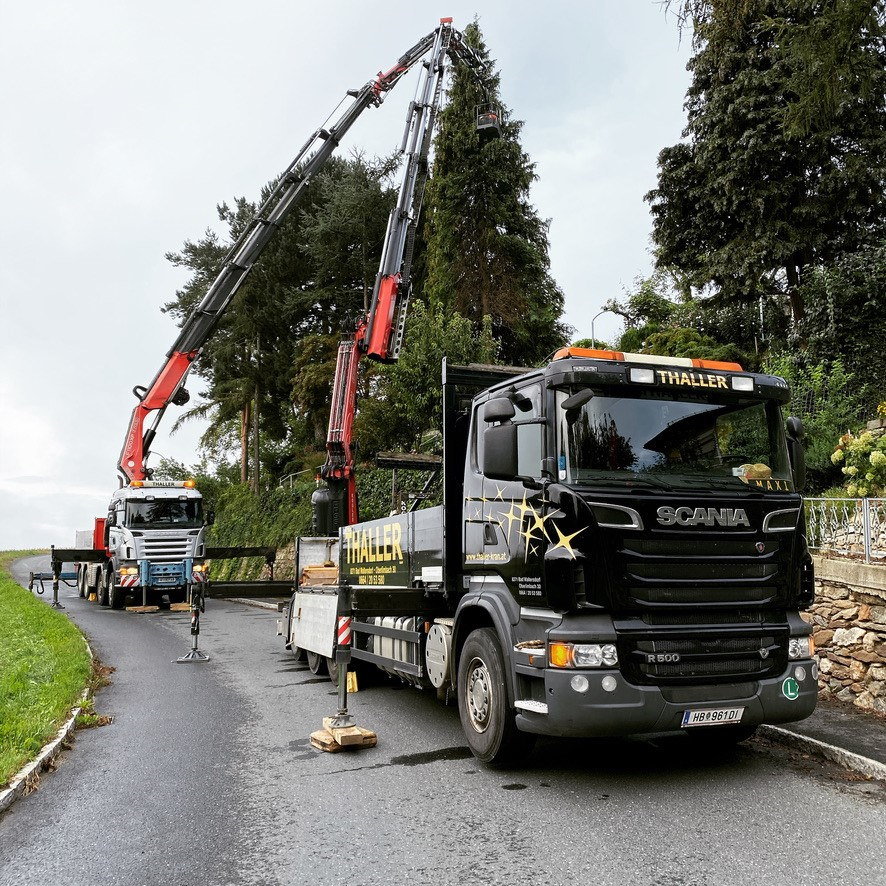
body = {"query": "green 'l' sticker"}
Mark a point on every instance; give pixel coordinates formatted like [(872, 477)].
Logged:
[(790, 688)]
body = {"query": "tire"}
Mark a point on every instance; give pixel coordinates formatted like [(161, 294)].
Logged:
[(81, 582), (316, 662), (298, 654), (332, 670), (101, 591), (116, 595), (486, 717)]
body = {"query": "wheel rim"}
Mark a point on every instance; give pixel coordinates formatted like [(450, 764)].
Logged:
[(479, 694)]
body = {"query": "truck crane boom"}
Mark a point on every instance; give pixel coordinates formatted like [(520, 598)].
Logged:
[(168, 385), (380, 334)]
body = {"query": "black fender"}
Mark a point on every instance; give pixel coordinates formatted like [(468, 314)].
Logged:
[(493, 606)]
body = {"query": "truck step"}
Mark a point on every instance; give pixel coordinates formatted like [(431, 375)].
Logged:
[(534, 707)]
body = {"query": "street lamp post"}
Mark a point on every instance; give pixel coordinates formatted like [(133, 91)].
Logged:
[(593, 319)]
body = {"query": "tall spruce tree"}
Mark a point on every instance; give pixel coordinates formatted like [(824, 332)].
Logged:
[(769, 183), (487, 249)]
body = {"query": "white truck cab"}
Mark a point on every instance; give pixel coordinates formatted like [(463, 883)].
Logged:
[(155, 544)]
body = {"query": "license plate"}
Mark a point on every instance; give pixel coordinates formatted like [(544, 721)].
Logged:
[(712, 717)]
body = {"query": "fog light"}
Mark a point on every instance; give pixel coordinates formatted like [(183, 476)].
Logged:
[(579, 683), (742, 383), (800, 674), (609, 683), (798, 647), (814, 671)]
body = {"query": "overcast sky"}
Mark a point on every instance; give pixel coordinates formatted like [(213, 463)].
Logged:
[(124, 124)]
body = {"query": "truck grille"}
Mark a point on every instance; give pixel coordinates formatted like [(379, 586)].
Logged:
[(167, 549), (715, 659), (670, 572)]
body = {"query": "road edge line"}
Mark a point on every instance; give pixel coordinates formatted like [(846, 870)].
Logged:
[(848, 759), (18, 784), (245, 601)]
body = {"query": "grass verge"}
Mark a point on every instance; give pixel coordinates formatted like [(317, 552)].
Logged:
[(44, 666)]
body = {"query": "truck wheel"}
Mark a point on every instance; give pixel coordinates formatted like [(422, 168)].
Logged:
[(316, 662), (332, 669), (486, 718), (116, 593), (101, 588), (82, 589), (298, 654)]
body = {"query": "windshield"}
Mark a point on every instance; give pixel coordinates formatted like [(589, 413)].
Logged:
[(689, 443), (165, 513)]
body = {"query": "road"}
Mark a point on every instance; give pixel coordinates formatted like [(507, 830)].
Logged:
[(205, 777)]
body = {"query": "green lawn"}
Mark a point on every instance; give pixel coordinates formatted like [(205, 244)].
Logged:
[(44, 666)]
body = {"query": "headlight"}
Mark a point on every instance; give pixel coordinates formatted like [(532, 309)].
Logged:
[(128, 570), (200, 567), (583, 655), (799, 647), (587, 656)]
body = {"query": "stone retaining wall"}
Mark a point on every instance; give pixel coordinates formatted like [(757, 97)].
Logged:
[(849, 629)]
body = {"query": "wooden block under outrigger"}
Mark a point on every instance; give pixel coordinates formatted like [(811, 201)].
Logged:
[(356, 738)]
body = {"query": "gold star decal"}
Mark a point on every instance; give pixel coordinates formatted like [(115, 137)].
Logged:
[(499, 493), (511, 516), (564, 541), (529, 535)]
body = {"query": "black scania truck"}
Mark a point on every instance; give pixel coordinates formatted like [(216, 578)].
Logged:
[(620, 550)]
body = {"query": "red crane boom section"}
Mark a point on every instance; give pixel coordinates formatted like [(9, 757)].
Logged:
[(168, 385)]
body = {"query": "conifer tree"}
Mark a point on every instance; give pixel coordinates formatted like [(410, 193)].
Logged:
[(777, 175), (486, 247)]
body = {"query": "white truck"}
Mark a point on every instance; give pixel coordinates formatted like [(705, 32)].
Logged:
[(153, 545)]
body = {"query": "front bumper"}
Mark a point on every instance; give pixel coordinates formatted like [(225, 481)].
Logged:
[(637, 710)]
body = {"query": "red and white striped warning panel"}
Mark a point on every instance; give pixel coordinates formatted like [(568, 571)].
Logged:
[(344, 631), (128, 581)]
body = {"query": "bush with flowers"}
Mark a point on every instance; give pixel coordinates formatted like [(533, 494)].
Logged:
[(863, 461)]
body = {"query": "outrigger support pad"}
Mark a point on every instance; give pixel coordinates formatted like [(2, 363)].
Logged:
[(341, 731), (197, 606)]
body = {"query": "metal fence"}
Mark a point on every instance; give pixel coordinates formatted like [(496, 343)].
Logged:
[(850, 526)]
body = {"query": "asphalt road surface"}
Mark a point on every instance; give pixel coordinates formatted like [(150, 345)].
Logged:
[(205, 777)]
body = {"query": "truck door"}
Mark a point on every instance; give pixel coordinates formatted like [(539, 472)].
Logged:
[(514, 513)]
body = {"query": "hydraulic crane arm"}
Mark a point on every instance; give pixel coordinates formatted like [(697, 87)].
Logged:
[(168, 385), (380, 335)]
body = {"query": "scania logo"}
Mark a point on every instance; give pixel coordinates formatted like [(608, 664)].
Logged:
[(669, 516)]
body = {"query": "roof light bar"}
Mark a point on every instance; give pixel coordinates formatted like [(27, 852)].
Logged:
[(654, 359)]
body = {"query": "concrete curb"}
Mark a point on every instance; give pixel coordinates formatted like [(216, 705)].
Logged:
[(26, 778), (856, 762), (245, 601)]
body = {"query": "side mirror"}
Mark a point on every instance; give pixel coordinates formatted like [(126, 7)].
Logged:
[(796, 453), (500, 450), (210, 517), (577, 400), (795, 428), (112, 520), (498, 409)]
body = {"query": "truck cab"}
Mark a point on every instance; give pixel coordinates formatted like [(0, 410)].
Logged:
[(634, 524), (155, 543)]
